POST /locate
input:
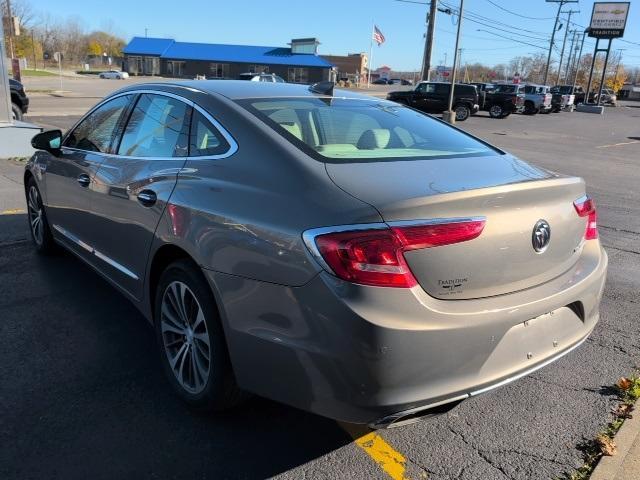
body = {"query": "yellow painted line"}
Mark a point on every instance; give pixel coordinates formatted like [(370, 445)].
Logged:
[(13, 211), (618, 144), (384, 455)]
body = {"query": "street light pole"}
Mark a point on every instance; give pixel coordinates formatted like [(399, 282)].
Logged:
[(450, 116)]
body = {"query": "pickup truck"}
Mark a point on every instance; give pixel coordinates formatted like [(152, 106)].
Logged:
[(537, 99), (433, 97), (19, 99), (504, 100), (562, 96)]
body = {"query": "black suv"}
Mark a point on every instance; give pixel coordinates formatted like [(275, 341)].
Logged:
[(433, 97), (19, 99)]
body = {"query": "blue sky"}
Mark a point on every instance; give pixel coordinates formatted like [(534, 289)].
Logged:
[(344, 26)]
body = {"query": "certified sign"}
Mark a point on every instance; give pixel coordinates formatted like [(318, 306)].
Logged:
[(608, 19)]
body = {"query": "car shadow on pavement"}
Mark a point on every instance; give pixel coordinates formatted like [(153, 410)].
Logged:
[(83, 395)]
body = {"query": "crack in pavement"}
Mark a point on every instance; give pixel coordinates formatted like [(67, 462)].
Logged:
[(616, 229), (620, 249), (480, 454)]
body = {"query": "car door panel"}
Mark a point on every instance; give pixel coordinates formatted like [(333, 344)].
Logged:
[(135, 185), (69, 177)]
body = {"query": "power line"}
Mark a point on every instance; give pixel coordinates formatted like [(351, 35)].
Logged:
[(469, 13), (506, 31), (517, 14), (513, 39)]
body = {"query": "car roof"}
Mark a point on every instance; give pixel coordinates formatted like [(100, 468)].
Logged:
[(239, 89)]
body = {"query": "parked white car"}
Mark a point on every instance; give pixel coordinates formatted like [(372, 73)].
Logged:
[(114, 74), (262, 77)]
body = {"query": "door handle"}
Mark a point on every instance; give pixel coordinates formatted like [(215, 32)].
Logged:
[(83, 179), (147, 198)]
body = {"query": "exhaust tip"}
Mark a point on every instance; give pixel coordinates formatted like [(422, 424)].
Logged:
[(414, 415)]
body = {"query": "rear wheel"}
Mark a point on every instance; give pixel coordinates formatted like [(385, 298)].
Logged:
[(16, 112), (496, 111), (38, 223), (462, 112), (530, 108), (191, 340)]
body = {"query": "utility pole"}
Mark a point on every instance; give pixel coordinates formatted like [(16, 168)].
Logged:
[(577, 69), (33, 48), (574, 34), (615, 78), (10, 18), (553, 34), (450, 116), (428, 41), (564, 43)]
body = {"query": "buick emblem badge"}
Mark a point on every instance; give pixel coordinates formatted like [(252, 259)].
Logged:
[(541, 236)]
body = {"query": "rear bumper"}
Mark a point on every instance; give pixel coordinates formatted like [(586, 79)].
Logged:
[(373, 355)]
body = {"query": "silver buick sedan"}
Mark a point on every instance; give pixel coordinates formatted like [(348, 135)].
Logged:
[(339, 253)]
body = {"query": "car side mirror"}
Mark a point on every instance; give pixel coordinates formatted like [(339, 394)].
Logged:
[(51, 141)]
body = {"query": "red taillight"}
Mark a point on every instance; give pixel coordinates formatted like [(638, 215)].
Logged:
[(375, 256), (586, 207)]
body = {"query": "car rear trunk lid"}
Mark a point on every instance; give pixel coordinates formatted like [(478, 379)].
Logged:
[(511, 195)]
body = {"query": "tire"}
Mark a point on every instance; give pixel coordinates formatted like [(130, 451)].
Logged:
[(16, 112), (462, 112), (38, 224), (189, 332), (496, 111), (530, 108), (102, 77)]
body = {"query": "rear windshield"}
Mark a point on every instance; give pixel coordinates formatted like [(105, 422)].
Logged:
[(354, 130), (507, 88), (564, 90)]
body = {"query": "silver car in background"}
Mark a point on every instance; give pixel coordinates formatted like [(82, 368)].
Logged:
[(339, 253)]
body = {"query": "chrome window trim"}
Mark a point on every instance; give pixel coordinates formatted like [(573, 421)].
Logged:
[(70, 236), (233, 145), (309, 236)]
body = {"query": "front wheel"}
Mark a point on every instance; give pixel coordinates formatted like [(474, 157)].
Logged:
[(191, 340), (496, 111), (462, 112), (38, 224)]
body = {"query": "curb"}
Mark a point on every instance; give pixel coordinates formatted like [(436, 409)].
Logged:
[(625, 465)]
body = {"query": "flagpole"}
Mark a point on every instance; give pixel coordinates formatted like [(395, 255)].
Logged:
[(373, 26)]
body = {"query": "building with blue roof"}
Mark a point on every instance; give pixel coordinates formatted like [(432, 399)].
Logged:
[(298, 63)]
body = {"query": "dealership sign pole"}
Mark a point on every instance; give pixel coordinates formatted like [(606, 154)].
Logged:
[(608, 21)]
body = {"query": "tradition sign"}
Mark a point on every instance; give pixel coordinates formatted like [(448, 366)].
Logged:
[(608, 19)]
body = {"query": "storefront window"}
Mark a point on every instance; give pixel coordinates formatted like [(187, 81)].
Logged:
[(298, 75), (218, 70)]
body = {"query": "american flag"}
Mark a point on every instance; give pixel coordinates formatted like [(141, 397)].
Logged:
[(378, 37)]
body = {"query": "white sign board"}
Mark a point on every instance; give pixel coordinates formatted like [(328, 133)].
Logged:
[(608, 19)]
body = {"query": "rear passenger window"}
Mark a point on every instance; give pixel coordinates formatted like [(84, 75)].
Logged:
[(158, 127), (205, 139), (95, 132)]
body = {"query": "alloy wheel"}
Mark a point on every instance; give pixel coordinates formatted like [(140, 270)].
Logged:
[(35, 215), (185, 337), (461, 113)]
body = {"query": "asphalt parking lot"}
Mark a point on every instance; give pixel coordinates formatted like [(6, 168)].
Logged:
[(82, 394)]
